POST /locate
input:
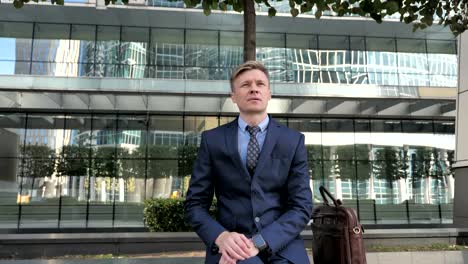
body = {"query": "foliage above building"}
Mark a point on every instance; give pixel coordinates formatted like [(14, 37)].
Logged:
[(422, 13)]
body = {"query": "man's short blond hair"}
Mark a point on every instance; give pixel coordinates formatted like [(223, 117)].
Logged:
[(247, 66)]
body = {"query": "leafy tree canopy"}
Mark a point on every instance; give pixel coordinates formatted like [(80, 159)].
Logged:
[(451, 13)]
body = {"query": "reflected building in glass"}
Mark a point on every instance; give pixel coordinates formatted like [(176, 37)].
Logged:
[(97, 116)]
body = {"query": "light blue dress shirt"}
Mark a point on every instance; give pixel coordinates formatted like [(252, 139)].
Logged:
[(243, 137)]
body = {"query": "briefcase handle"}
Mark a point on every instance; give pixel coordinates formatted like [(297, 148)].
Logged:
[(324, 192)]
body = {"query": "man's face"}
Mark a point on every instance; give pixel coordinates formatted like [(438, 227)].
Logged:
[(251, 92)]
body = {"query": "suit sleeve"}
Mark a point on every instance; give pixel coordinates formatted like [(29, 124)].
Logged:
[(200, 196), (289, 225)]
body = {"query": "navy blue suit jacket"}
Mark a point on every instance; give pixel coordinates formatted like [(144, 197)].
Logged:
[(275, 202)]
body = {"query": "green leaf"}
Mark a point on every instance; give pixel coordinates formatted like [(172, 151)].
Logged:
[(376, 17), (271, 12), (223, 6), (318, 14), (60, 2), (292, 4), (18, 4), (439, 11), (294, 12), (188, 3), (391, 7), (341, 11), (305, 8), (207, 11), (428, 20)]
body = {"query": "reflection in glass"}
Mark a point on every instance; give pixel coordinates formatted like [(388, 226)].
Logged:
[(52, 51), (83, 41), (73, 50), (167, 47), (133, 52), (107, 51), (381, 61), (302, 58), (202, 55), (442, 62), (231, 49), (38, 186), (100, 168), (272, 53), (16, 47)]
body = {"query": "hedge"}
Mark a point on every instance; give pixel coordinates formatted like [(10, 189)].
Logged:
[(167, 215)]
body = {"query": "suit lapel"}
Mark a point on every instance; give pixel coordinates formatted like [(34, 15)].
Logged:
[(231, 141), (270, 142)]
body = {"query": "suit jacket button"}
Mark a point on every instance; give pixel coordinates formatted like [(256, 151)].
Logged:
[(257, 219)]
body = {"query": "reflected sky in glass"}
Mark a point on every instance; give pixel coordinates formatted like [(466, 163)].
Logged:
[(7, 52)]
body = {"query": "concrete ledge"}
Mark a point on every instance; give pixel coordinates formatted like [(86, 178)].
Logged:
[(60, 244), (433, 257), (436, 257)]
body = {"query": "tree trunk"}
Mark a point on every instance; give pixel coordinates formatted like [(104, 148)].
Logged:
[(249, 30)]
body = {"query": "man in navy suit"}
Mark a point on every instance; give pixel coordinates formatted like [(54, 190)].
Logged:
[(257, 168)]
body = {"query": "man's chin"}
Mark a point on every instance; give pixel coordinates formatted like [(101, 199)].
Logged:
[(251, 111)]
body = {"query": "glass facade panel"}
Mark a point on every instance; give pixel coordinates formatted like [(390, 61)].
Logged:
[(82, 51), (358, 60), (130, 192), (412, 62), (12, 127), (382, 61), (107, 51), (170, 161), (15, 51), (102, 184), (73, 168), (51, 49), (334, 58), (138, 52), (202, 55), (134, 52), (38, 181), (442, 63), (302, 58), (231, 49), (91, 171), (272, 53), (167, 48)]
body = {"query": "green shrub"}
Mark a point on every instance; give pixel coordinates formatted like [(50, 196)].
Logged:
[(167, 215)]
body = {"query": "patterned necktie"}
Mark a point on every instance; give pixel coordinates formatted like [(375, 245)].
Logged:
[(253, 149)]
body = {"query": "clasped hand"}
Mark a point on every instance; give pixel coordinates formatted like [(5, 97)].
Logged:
[(234, 246)]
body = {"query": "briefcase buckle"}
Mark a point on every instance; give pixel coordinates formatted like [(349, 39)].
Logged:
[(357, 230)]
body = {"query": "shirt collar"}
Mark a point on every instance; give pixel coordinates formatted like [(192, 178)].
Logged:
[(263, 125)]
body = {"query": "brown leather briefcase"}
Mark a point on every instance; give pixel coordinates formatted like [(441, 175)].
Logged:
[(337, 233)]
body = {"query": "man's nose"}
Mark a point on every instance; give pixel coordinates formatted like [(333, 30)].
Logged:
[(254, 89)]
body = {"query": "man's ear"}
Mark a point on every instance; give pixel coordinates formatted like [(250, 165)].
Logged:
[(233, 98)]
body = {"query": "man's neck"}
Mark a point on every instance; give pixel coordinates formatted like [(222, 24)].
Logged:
[(253, 119)]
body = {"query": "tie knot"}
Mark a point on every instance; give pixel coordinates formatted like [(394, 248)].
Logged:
[(253, 130)]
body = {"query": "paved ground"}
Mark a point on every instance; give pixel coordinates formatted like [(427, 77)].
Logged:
[(433, 257)]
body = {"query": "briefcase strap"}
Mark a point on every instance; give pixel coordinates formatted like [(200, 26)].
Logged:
[(324, 192)]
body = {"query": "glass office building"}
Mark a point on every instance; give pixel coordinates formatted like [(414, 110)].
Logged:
[(97, 116)]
